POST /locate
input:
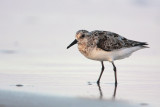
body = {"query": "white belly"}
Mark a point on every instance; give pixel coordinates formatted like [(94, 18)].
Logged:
[(101, 55)]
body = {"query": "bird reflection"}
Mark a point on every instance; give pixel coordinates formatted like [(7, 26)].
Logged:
[(115, 89), (101, 93)]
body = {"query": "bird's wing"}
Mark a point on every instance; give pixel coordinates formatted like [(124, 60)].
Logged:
[(109, 41)]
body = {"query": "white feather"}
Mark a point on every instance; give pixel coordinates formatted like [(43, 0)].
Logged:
[(101, 55)]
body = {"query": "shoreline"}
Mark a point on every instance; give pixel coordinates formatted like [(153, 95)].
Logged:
[(10, 98)]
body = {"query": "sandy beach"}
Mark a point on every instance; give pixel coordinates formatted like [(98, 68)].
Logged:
[(24, 99), (36, 69), (69, 89)]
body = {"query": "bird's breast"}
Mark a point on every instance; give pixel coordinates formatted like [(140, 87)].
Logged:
[(83, 49), (93, 53)]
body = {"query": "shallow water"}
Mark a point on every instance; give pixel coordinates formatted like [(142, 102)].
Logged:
[(140, 87), (35, 71), (34, 58)]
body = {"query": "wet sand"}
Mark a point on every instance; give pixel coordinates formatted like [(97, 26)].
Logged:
[(24, 99), (79, 87), (36, 69)]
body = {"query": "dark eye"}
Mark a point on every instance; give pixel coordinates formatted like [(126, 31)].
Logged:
[(82, 36)]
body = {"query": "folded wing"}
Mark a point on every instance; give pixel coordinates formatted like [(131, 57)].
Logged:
[(110, 41)]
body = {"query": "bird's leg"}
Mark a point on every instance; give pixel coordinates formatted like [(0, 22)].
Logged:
[(101, 72), (115, 72)]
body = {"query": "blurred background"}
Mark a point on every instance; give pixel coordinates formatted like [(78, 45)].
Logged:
[(34, 34)]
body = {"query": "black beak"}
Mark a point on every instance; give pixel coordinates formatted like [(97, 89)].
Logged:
[(74, 42)]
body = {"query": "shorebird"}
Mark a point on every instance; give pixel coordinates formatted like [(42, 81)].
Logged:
[(105, 46)]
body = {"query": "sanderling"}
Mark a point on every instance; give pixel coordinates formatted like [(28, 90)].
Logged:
[(105, 46)]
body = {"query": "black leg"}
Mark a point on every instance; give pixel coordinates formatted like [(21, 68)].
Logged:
[(115, 72), (101, 72)]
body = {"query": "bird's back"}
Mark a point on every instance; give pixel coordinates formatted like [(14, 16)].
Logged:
[(109, 46), (109, 41)]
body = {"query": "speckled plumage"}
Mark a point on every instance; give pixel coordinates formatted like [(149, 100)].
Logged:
[(106, 43), (105, 46), (110, 41)]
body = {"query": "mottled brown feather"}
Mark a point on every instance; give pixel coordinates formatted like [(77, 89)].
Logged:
[(109, 41)]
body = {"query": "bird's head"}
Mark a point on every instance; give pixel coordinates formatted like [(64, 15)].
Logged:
[(80, 37)]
